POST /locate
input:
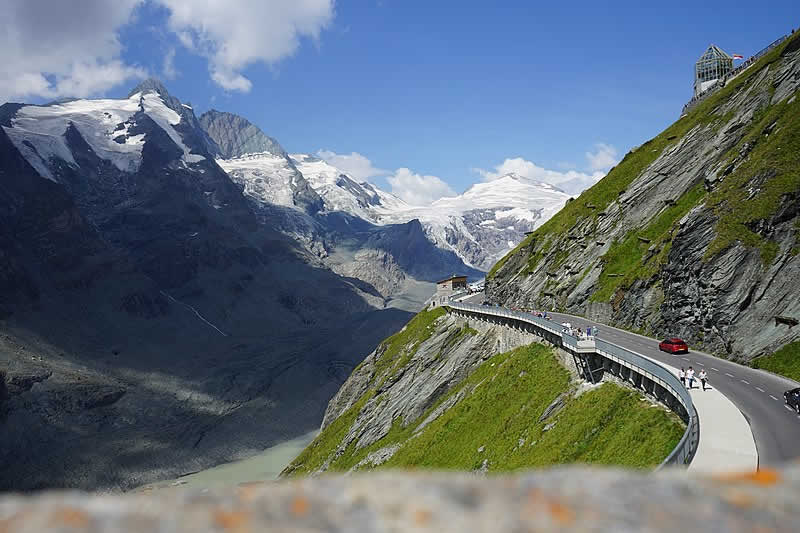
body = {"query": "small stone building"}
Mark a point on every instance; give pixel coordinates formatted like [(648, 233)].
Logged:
[(447, 287)]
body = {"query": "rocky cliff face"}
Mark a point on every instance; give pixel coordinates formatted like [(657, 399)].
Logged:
[(695, 233), (235, 136)]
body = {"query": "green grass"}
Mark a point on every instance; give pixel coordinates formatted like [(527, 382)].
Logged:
[(609, 425), (776, 160), (505, 397), (315, 454), (785, 361), (627, 257), (402, 346)]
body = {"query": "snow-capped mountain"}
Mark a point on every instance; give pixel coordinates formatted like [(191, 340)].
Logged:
[(332, 215), (143, 293), (109, 127), (487, 220), (480, 225), (340, 192)]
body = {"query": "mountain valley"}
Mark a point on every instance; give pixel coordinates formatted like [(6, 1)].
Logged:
[(168, 281)]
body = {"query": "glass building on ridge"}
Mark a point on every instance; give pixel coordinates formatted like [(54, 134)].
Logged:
[(713, 65)]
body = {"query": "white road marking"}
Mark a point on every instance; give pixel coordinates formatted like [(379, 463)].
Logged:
[(745, 382), (789, 408), (685, 358), (760, 389), (714, 369), (701, 364), (773, 397), (729, 375)]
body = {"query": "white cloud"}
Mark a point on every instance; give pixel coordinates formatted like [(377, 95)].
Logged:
[(413, 188), (417, 189), (603, 158), (354, 164), (168, 69), (234, 35), (61, 48), (53, 49), (571, 181)]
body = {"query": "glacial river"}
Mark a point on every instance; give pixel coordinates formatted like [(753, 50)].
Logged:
[(262, 467)]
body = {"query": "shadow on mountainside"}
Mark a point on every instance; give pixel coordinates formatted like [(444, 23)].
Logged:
[(150, 326)]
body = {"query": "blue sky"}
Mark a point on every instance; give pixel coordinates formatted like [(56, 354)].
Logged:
[(437, 88)]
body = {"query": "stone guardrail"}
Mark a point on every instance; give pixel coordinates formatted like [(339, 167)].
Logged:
[(645, 368)]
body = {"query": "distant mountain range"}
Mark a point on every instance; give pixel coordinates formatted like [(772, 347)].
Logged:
[(179, 291), (478, 226)]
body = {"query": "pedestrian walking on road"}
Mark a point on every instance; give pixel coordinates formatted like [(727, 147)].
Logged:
[(682, 375), (703, 378), (690, 377)]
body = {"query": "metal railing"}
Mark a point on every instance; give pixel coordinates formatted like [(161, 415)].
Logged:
[(686, 447)]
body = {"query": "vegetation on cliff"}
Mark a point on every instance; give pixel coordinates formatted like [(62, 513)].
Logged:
[(514, 410), (780, 157), (694, 233)]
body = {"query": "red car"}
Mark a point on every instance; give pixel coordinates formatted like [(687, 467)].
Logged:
[(674, 345)]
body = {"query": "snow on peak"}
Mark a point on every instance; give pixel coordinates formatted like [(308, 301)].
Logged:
[(341, 192), (510, 191), (266, 177), (38, 131), (154, 106)]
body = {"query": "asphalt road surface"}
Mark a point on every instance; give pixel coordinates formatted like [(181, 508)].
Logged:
[(757, 394)]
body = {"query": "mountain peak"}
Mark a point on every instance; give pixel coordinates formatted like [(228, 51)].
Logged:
[(237, 136), (529, 181), (151, 85)]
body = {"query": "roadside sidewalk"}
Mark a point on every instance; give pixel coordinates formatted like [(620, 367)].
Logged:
[(726, 440)]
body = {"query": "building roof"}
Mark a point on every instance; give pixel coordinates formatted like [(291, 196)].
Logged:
[(452, 278), (713, 52)]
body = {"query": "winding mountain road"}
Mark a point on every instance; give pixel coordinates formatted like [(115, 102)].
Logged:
[(756, 393)]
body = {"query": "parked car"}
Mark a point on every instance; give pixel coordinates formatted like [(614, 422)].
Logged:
[(673, 345), (792, 399)]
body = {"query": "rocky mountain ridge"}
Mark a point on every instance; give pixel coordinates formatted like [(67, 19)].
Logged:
[(151, 322), (694, 234)]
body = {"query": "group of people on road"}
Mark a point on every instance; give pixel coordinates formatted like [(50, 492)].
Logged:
[(688, 376), (590, 331)]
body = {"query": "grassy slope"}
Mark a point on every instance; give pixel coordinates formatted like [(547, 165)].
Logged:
[(609, 425), (781, 154), (397, 350), (785, 361), (402, 346)]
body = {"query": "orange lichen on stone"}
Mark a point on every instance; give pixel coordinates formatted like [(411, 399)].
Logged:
[(300, 506), (561, 513), (248, 492), (764, 477), (231, 520), (422, 517), (68, 516)]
